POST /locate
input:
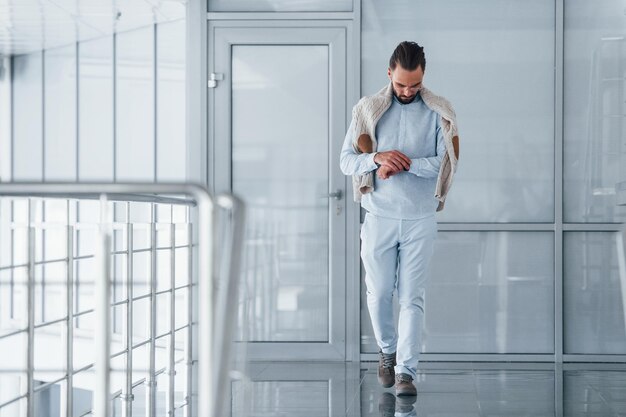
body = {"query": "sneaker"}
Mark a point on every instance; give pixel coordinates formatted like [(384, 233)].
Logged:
[(404, 385), (386, 374)]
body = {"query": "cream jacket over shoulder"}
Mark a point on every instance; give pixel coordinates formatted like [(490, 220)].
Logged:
[(368, 111)]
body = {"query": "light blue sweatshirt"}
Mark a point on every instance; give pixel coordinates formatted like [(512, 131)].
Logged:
[(414, 130)]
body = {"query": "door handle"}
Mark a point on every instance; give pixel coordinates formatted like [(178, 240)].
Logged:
[(337, 195)]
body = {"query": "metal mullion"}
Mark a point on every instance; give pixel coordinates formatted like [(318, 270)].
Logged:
[(151, 380), (172, 364), (30, 349), (127, 394), (114, 102), (592, 227), (558, 189), (155, 126), (602, 358), (12, 277), (496, 227), (43, 258)]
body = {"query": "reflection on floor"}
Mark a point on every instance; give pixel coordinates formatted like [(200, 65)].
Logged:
[(444, 389)]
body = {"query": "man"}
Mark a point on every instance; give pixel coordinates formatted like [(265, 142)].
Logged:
[(414, 150)]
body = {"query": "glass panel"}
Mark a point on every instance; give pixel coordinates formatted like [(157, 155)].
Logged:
[(594, 122), (506, 172), (60, 114), (283, 176), (280, 6), (594, 290), (600, 393), (96, 110), (27, 118), (490, 299), (171, 149), (135, 105)]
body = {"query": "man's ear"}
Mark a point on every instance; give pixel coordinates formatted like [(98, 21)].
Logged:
[(389, 73)]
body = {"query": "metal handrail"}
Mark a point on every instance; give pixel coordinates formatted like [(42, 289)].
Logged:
[(208, 393)]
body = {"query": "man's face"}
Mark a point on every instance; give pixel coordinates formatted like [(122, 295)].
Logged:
[(405, 83)]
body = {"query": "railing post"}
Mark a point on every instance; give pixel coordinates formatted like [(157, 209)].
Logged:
[(151, 379), (30, 348), (172, 346), (69, 335), (189, 341), (206, 217), (102, 403), (127, 392)]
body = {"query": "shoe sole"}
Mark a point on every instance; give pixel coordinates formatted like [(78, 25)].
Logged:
[(406, 393)]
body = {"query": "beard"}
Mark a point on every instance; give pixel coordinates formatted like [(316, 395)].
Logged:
[(404, 99)]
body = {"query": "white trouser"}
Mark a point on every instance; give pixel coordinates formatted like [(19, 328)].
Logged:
[(396, 254)]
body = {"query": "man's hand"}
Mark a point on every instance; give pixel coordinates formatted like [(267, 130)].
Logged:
[(395, 160), (385, 172)]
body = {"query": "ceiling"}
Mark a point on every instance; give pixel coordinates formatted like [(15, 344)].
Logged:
[(32, 25)]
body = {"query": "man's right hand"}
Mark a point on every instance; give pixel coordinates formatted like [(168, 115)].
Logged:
[(395, 160)]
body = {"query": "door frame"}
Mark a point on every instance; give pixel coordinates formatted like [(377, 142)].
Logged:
[(344, 303)]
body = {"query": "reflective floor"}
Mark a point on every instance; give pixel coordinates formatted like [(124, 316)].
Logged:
[(444, 390)]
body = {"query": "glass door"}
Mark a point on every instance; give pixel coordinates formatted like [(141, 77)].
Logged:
[(277, 121)]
